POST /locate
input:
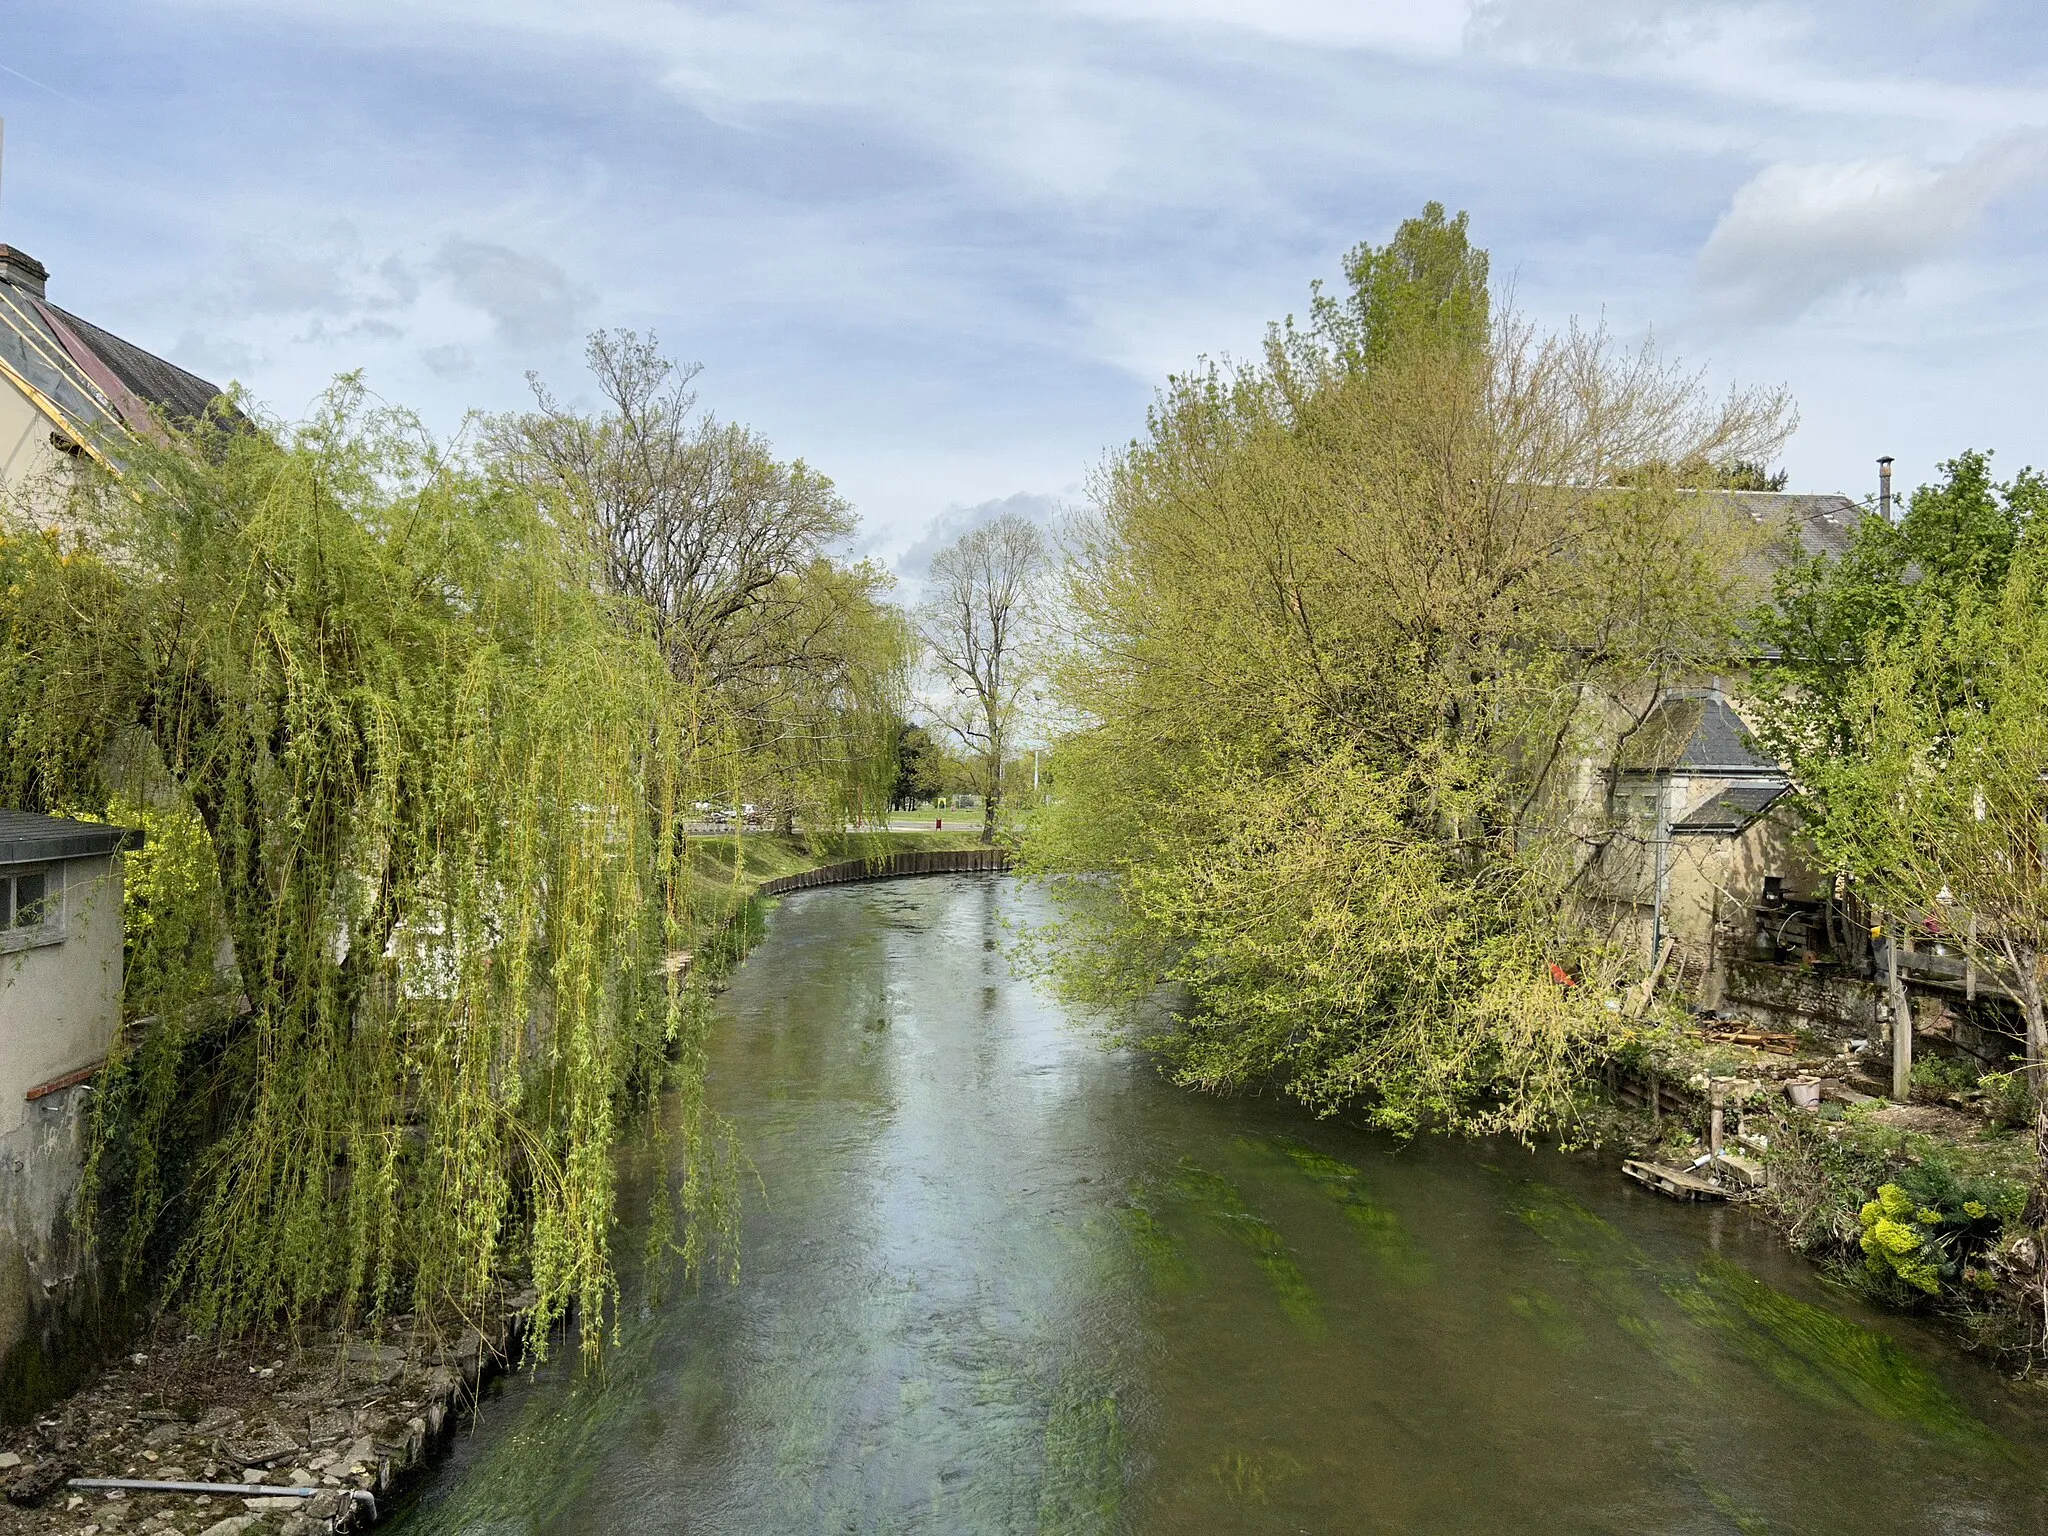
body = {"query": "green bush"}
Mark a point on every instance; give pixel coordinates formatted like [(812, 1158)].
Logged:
[(1937, 1077), (1926, 1227), (2007, 1098)]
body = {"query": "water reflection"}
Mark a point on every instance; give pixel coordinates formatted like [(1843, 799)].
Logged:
[(998, 1279)]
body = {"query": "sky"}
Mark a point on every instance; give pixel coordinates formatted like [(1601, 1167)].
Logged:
[(945, 252)]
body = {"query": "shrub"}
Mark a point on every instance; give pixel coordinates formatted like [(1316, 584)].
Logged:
[(1927, 1227)]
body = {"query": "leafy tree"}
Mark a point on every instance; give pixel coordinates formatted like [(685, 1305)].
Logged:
[(794, 659), (1911, 705), (1354, 629), (921, 768)]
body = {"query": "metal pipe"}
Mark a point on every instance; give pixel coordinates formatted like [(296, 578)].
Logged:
[(1884, 487), (237, 1490)]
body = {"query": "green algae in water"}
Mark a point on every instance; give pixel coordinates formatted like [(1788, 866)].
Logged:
[(1083, 1486), (1163, 1255), (1387, 1240), (1247, 1477), (1219, 1200), (1613, 1269), (1552, 1324), (1825, 1358), (1804, 1349)]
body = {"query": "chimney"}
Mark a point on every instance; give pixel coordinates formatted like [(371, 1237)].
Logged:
[(23, 271), (1884, 485)]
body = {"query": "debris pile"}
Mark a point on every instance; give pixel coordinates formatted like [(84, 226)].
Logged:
[(342, 1416)]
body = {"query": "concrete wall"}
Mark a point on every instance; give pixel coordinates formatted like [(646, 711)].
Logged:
[(60, 1003)]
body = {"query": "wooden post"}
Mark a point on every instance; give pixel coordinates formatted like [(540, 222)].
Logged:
[(1902, 1025), (1642, 1001), (1715, 1121), (1970, 963)]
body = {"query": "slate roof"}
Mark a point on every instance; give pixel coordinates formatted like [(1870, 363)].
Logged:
[(1694, 734), (89, 382), (26, 838), (1731, 811), (1823, 525)]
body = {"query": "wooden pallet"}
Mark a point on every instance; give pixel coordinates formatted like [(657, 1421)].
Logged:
[(1676, 1183)]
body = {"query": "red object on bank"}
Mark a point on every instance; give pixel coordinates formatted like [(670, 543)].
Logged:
[(1561, 976)]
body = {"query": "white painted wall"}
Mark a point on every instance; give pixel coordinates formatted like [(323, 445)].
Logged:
[(60, 1002), (25, 451)]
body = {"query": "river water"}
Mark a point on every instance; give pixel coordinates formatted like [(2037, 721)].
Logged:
[(998, 1278)]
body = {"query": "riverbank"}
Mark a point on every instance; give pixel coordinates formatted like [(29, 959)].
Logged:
[(348, 1417), (344, 1414), (1919, 1206)]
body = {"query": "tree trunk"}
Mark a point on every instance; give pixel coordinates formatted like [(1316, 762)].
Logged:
[(990, 803)]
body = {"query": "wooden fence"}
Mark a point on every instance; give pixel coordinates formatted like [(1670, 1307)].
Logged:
[(946, 861)]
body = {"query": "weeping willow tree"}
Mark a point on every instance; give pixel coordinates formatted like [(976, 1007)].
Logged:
[(395, 984), (1353, 632)]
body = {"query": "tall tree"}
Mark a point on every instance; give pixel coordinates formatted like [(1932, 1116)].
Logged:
[(1354, 631), (1910, 703), (982, 598), (725, 553)]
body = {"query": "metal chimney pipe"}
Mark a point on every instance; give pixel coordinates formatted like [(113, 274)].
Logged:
[(1884, 487)]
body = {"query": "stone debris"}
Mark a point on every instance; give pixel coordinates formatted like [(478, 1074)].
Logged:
[(337, 1414)]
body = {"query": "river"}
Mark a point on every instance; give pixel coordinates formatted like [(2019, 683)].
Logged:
[(998, 1278)]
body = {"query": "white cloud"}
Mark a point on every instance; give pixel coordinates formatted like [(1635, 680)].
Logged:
[(530, 300), (1425, 26), (916, 561), (1800, 232), (1595, 32)]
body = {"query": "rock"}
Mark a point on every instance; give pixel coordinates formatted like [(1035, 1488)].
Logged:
[(330, 1505), (359, 1456), (30, 1488), (9, 1460), (234, 1525), (217, 1421), (260, 1444), (273, 1503), (329, 1425)]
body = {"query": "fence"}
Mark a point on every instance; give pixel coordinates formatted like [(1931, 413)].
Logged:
[(947, 861)]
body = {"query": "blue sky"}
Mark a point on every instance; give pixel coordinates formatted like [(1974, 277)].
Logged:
[(945, 252)]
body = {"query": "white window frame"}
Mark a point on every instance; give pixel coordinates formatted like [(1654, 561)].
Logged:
[(51, 929)]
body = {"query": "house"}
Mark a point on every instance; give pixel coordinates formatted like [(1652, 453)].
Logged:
[(69, 388), (1702, 840), (60, 1003)]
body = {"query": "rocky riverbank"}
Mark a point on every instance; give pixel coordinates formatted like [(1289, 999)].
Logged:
[(346, 1417)]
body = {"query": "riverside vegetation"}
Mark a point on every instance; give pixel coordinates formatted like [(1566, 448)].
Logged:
[(416, 729), (1355, 632)]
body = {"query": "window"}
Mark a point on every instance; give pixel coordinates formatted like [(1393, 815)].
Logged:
[(30, 904)]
